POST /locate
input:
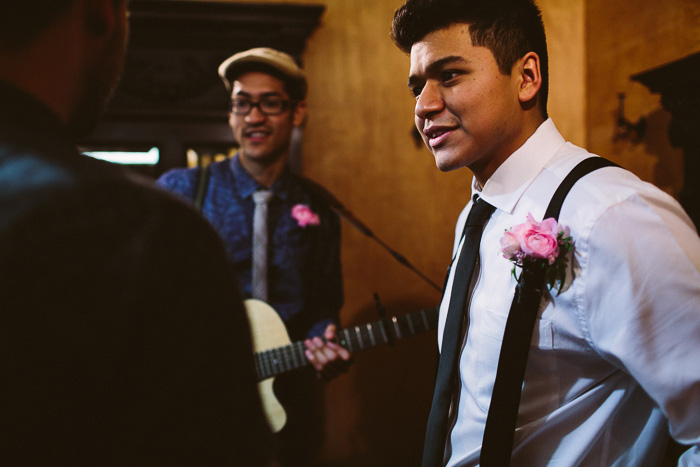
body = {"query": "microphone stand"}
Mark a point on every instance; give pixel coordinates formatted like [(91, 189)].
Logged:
[(343, 212)]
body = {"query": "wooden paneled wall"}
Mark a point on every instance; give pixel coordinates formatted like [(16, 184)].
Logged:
[(625, 38), (358, 144)]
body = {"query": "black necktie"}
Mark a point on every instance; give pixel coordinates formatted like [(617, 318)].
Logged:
[(435, 437)]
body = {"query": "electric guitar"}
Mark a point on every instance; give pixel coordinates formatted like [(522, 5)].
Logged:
[(275, 354)]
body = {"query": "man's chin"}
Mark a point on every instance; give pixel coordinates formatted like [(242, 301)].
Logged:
[(445, 164), (260, 157)]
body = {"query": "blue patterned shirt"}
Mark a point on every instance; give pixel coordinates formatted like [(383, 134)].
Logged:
[(305, 285)]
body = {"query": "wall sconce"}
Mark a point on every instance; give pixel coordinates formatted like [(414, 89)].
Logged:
[(626, 129)]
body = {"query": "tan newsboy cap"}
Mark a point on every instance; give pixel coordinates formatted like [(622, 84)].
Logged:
[(280, 61)]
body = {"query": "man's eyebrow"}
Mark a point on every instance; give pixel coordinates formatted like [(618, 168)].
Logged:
[(264, 94), (435, 66)]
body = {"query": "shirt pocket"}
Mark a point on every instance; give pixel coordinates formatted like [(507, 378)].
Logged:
[(540, 394)]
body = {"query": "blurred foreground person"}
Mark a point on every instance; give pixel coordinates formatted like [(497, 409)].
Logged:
[(121, 341)]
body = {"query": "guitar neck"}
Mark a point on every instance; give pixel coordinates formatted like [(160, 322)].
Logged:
[(280, 360)]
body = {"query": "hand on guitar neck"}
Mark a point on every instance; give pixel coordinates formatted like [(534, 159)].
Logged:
[(326, 356), (275, 354)]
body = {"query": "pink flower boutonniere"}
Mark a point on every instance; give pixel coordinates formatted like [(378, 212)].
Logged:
[(544, 244), (304, 215)]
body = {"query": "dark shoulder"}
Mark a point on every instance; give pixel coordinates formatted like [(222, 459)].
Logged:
[(179, 180), (184, 181), (23, 169)]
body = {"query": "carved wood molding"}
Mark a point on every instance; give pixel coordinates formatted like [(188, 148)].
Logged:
[(679, 85), (175, 48)]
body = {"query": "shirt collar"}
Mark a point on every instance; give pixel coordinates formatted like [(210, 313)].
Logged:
[(246, 185), (508, 183)]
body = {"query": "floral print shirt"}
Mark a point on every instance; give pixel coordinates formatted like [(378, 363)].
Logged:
[(305, 285)]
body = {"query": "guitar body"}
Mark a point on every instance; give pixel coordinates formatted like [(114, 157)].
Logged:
[(268, 332)]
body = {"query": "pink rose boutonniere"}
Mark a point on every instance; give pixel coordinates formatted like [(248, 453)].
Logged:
[(304, 215), (543, 244)]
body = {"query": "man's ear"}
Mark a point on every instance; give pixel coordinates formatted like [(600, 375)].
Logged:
[(299, 114), (100, 16), (528, 68)]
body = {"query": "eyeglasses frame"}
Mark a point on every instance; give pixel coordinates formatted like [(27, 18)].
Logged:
[(286, 105)]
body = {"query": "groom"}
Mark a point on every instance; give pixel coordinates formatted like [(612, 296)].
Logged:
[(612, 365)]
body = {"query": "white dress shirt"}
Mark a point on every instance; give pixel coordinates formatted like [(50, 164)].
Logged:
[(615, 359)]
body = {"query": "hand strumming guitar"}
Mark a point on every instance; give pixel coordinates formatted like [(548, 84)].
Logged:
[(328, 358)]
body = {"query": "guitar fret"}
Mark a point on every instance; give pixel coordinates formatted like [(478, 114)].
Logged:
[(279, 360), (271, 362), (288, 360), (283, 356), (289, 357), (258, 368), (397, 329), (359, 337), (294, 359), (347, 343), (410, 326), (301, 355), (385, 338), (266, 361), (371, 334), (425, 320)]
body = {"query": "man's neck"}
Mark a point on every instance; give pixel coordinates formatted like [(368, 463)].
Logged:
[(265, 173), (482, 172)]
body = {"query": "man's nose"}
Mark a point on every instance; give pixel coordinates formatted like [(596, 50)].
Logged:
[(429, 101), (255, 115)]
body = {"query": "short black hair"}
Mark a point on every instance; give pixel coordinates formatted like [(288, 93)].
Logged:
[(295, 88), (22, 20), (508, 28)]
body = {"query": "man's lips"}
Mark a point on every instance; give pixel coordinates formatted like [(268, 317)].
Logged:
[(256, 135), (437, 134)]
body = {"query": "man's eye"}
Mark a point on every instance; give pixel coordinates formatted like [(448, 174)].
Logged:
[(416, 91), (448, 75), (272, 102)]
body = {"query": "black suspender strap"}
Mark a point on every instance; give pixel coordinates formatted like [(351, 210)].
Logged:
[(201, 190), (499, 433), (584, 167)]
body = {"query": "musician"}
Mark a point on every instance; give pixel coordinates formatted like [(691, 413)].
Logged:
[(301, 278)]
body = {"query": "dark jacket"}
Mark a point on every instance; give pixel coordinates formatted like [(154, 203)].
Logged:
[(122, 336)]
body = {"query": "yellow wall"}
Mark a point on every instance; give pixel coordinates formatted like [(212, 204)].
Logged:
[(358, 144)]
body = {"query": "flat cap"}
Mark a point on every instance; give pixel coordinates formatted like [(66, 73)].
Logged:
[(280, 61)]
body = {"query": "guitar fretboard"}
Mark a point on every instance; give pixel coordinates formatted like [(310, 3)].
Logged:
[(279, 360)]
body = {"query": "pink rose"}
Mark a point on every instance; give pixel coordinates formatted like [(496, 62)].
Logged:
[(510, 245), (304, 215), (539, 240), (540, 244), (536, 240)]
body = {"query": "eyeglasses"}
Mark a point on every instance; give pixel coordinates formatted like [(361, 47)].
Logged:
[(266, 106)]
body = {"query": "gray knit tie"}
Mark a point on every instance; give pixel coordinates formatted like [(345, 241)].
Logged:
[(260, 244)]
